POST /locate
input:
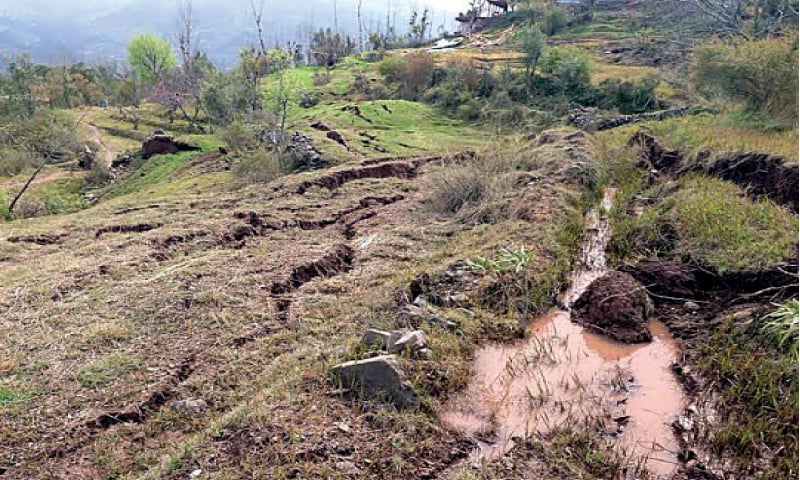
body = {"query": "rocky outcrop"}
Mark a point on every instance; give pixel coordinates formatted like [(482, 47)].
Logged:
[(306, 156), (616, 305), (593, 119), (377, 377)]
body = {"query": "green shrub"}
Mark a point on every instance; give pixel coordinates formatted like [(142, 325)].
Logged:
[(628, 96), (760, 75), (242, 136), (552, 20), (393, 68), (14, 161), (4, 201), (572, 68), (257, 166)]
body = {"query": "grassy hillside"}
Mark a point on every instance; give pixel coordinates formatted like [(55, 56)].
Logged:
[(180, 316)]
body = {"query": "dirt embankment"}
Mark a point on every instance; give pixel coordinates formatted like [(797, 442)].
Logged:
[(760, 174)]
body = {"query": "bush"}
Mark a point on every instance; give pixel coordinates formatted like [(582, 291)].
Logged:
[(760, 75), (570, 66), (418, 74), (473, 190), (414, 73), (4, 201), (321, 78), (242, 136), (628, 97), (553, 20), (257, 166), (13, 162), (393, 68)]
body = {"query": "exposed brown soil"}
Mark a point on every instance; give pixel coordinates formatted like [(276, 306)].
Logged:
[(339, 433), (128, 228), (44, 239), (173, 240), (164, 145), (123, 211), (671, 282), (340, 259), (760, 174), (337, 179), (83, 433), (615, 305), (257, 225), (653, 155), (336, 137)]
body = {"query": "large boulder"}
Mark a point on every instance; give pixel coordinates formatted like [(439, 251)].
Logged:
[(615, 305), (377, 376)]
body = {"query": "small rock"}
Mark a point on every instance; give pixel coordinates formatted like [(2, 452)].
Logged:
[(456, 299), (379, 376), (412, 341), (188, 406), (467, 312), (376, 339), (420, 301), (744, 314), (442, 322), (683, 424), (424, 354), (343, 427), (691, 306), (348, 467), (196, 473)]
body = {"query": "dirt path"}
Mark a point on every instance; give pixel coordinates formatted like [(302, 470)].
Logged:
[(108, 154), (44, 177)]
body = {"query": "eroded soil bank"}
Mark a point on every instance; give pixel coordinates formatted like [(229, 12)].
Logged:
[(563, 375)]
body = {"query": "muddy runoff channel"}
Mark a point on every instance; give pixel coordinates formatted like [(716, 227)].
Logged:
[(563, 375)]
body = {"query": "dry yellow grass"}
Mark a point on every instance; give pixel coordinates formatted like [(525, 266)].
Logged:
[(604, 71)]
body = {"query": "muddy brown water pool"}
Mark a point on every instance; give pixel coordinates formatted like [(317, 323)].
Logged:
[(563, 375)]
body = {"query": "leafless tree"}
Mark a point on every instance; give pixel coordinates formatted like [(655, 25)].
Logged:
[(360, 28), (758, 18), (258, 17), (186, 34)]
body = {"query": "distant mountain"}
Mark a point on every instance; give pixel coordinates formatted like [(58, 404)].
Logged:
[(89, 29)]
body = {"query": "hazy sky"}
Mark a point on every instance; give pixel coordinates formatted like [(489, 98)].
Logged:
[(88, 29)]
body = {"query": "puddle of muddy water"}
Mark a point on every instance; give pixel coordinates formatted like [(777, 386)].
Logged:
[(563, 375)]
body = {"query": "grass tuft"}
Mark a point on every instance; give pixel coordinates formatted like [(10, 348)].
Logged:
[(107, 369)]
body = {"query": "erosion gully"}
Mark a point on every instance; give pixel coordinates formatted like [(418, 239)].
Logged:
[(563, 375)]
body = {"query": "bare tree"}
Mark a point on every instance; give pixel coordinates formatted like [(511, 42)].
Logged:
[(335, 17), (258, 16), (758, 18), (360, 28), (186, 34)]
